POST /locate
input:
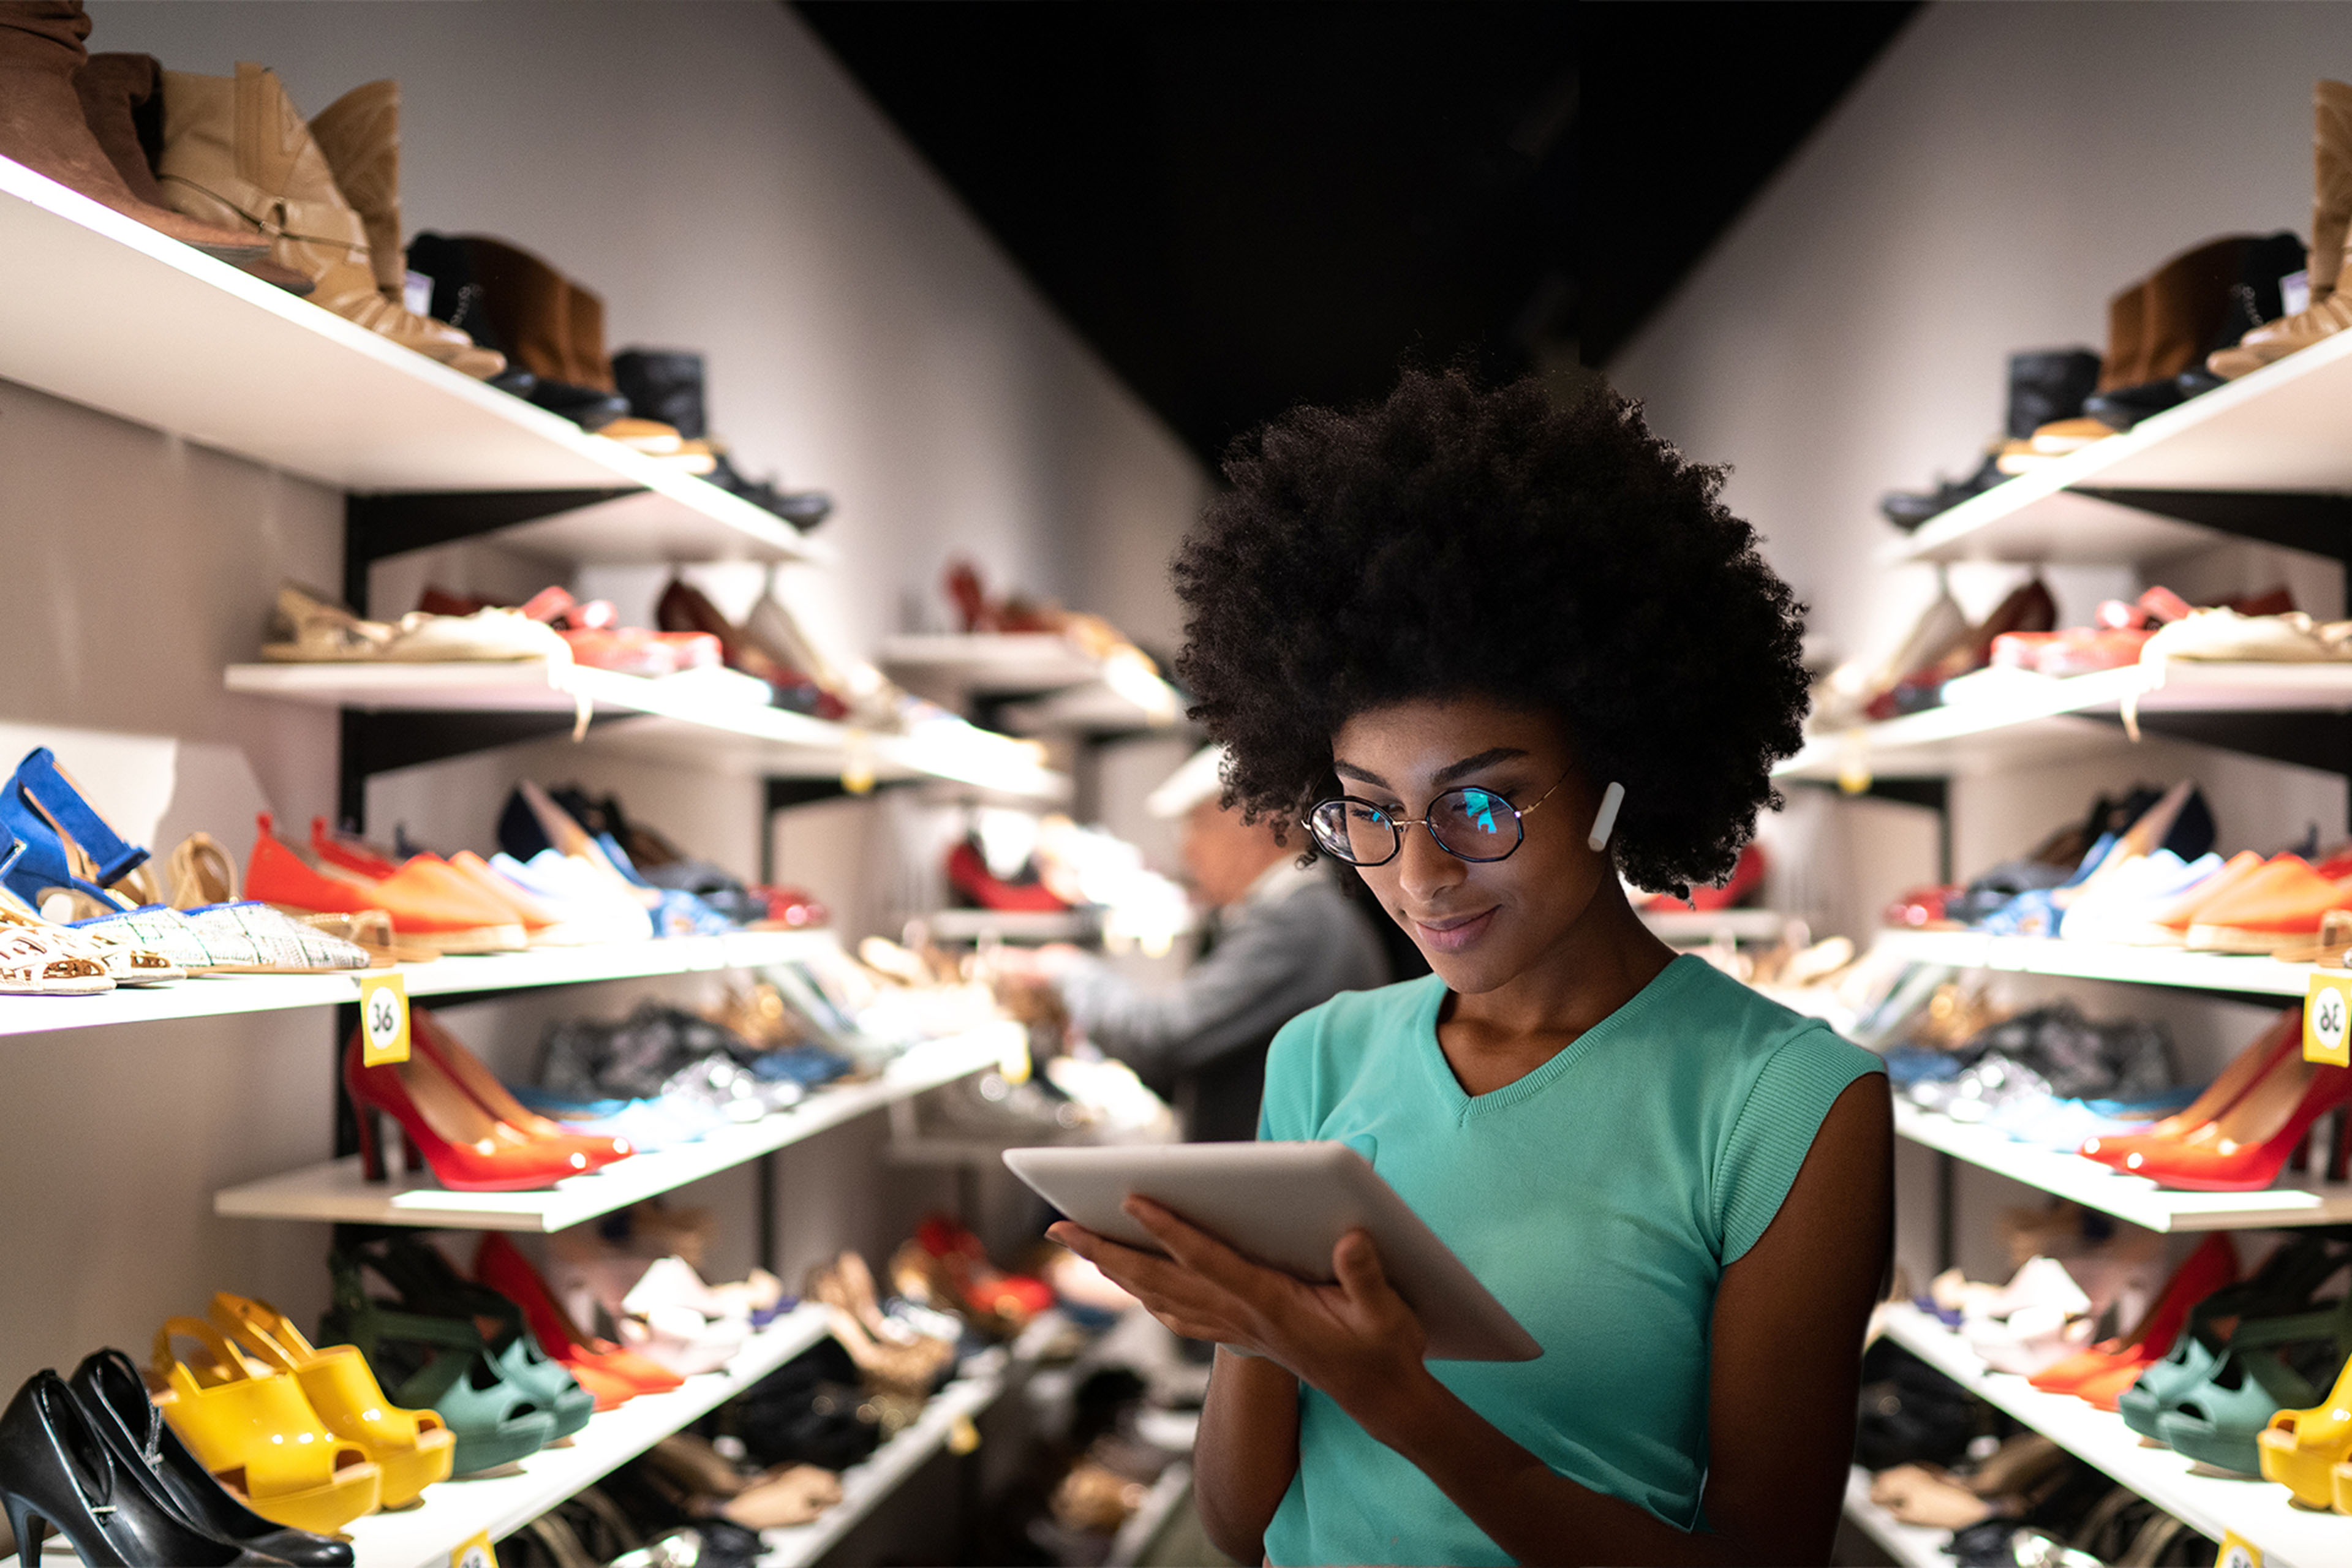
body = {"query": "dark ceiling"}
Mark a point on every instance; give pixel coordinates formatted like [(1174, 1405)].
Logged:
[(1246, 206)]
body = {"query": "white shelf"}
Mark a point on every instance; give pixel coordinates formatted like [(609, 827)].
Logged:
[(2036, 718), (455, 1511), (1152, 1516), (950, 668), (1911, 1545), (867, 1485), (337, 1192), (222, 995), (1706, 925), (198, 349), (2292, 1202), (1009, 925), (2284, 427), (667, 718), (2253, 974), (2256, 1511)]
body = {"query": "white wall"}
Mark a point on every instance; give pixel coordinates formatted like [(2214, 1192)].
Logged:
[(712, 173), (1987, 184)]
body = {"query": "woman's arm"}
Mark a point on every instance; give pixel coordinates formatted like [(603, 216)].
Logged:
[(1246, 1453), (1787, 1339)]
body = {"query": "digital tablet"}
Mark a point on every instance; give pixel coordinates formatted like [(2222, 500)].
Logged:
[(1285, 1206)]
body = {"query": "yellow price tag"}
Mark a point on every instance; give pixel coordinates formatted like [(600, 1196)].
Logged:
[(2237, 1553), (2326, 1010), (384, 1022), (475, 1554)]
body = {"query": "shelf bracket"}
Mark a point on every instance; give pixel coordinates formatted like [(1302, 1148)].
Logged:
[(2318, 522), (383, 525), (378, 743)]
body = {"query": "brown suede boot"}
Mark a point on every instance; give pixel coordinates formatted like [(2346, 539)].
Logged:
[(360, 134), (2187, 298), (42, 127), (234, 150), (2330, 310), (122, 104), (591, 366), (2121, 363)]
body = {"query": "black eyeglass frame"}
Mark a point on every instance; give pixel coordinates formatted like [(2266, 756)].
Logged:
[(1398, 825)]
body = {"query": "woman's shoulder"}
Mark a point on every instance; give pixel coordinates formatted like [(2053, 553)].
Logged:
[(1735, 1019), (1320, 1052)]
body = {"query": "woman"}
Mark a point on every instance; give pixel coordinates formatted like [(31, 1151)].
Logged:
[(1495, 653)]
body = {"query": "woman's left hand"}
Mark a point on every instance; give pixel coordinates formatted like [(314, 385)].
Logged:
[(1355, 1339)]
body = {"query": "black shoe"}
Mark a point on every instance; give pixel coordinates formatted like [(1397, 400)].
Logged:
[(664, 385), (802, 509), (583, 405), (2046, 385), (57, 1473), (1906, 509), (115, 1400)]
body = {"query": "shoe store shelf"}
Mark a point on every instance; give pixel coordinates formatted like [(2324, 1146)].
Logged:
[(455, 1511), (2292, 1202), (866, 1486), (2283, 428), (678, 717), (2255, 975), (1012, 925), (2257, 1511), (1706, 925), (193, 347), (2033, 717), (1911, 1545), (222, 995), (337, 1192), (1152, 1516), (1069, 688)]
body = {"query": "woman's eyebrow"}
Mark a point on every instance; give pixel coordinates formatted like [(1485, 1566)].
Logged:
[(1468, 766), (1444, 775)]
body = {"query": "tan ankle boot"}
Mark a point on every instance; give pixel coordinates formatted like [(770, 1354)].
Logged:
[(526, 300), (360, 134), (2124, 359), (236, 151), (2330, 311), (42, 125)]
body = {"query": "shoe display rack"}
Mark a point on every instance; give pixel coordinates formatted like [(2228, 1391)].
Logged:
[(2267, 458), (426, 457), (1911, 1545), (1035, 682)]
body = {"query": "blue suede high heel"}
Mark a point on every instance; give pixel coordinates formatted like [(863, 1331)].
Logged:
[(62, 835)]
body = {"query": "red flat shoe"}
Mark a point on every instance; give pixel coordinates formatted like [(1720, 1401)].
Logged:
[(2244, 1148), (467, 1149), (2245, 1069), (603, 1368), (2111, 1366)]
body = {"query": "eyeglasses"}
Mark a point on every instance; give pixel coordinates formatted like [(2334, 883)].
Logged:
[(1467, 823)]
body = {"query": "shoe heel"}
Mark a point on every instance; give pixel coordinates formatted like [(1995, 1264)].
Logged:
[(411, 1158), (371, 1141), (2299, 1162), (26, 1526), (2339, 1158)]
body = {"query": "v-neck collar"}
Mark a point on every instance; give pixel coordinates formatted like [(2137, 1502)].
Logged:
[(1465, 1105)]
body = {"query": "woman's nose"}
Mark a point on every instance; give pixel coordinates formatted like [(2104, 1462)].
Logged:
[(1424, 870)]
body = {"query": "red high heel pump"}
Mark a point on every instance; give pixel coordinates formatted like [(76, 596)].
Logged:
[(467, 1148), (610, 1372), (474, 1076), (2285, 1033), (2244, 1148)]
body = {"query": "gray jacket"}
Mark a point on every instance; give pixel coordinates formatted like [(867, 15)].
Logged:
[(1293, 941)]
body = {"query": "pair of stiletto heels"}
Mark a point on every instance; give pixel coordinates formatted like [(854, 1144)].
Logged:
[(2249, 1125), (93, 1460), (460, 1122), (440, 1341)]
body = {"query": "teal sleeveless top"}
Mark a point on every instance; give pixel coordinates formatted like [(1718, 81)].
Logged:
[(1600, 1198)]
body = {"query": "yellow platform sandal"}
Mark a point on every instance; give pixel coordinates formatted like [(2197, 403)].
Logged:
[(257, 1435), (413, 1447)]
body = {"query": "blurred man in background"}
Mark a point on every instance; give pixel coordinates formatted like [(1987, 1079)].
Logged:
[(1279, 940)]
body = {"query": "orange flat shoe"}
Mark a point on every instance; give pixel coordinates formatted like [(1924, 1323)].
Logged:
[(2280, 905)]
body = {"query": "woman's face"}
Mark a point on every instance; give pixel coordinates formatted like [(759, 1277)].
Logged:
[(1480, 923)]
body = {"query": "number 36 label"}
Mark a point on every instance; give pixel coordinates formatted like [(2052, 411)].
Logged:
[(383, 1020)]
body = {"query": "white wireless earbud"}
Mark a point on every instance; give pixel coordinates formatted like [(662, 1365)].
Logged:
[(1604, 821)]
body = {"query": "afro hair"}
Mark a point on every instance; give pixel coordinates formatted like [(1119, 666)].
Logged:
[(1454, 541)]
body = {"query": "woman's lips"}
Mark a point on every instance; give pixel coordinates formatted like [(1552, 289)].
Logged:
[(1453, 935)]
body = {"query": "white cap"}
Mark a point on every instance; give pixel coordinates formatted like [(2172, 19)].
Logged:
[(1198, 779)]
